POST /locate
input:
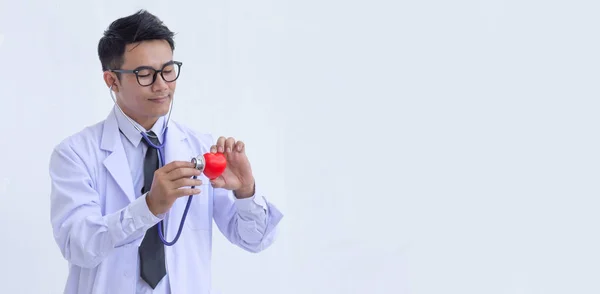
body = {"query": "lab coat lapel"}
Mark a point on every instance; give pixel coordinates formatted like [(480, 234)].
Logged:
[(116, 162), (175, 148)]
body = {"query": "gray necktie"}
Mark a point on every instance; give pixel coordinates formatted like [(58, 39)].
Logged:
[(152, 250)]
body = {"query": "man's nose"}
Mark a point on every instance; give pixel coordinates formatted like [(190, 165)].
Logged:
[(159, 83)]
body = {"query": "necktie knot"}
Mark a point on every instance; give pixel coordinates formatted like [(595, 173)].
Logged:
[(153, 138)]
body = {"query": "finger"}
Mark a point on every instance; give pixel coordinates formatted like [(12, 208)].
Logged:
[(175, 165), (213, 149), (218, 182), (185, 192), (229, 144), (239, 146), (221, 144), (186, 182), (184, 172)]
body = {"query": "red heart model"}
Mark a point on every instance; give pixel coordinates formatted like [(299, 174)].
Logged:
[(215, 165)]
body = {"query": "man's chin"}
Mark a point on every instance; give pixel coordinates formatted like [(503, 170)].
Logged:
[(160, 113), (160, 107)]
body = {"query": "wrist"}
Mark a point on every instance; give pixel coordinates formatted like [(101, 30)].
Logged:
[(245, 192), (154, 207), (150, 206)]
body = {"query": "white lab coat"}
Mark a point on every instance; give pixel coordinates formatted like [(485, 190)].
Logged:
[(98, 221)]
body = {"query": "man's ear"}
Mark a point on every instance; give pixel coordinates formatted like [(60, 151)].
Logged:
[(111, 80)]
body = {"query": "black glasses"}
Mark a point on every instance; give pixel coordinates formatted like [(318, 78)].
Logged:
[(146, 75)]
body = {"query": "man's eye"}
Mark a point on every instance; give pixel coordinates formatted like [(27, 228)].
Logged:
[(144, 73)]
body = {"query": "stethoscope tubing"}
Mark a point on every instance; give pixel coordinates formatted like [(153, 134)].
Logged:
[(160, 148)]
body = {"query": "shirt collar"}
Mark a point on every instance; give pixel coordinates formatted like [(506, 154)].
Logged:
[(131, 133)]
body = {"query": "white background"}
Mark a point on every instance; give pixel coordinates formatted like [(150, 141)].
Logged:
[(419, 147)]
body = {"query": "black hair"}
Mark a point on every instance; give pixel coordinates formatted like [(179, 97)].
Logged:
[(140, 26)]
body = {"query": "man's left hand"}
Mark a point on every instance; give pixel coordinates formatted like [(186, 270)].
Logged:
[(237, 177)]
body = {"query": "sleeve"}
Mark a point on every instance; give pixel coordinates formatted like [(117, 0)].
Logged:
[(84, 235), (249, 223)]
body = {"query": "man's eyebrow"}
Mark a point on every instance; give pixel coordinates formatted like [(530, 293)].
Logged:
[(148, 66)]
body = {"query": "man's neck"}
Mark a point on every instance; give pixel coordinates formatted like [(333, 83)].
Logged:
[(146, 123)]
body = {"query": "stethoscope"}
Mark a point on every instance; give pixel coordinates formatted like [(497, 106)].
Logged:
[(198, 161)]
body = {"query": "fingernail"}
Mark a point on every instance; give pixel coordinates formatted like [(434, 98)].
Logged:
[(220, 149), (228, 149), (239, 148)]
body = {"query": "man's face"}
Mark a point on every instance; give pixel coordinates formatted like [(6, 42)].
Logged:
[(146, 104)]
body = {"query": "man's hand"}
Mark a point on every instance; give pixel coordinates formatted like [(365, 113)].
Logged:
[(168, 185), (237, 177)]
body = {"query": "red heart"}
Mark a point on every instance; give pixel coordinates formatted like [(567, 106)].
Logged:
[(215, 165)]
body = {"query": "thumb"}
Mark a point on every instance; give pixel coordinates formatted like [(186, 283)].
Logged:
[(218, 182)]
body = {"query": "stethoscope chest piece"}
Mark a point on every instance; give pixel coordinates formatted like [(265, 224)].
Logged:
[(200, 162)]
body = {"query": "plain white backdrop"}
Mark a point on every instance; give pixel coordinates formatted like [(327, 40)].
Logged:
[(418, 147)]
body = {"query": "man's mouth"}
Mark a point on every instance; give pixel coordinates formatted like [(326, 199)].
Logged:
[(159, 99)]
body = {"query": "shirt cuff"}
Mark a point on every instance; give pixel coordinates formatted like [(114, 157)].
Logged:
[(141, 214), (251, 203)]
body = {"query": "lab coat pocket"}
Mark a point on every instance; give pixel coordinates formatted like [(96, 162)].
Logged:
[(120, 268), (199, 212)]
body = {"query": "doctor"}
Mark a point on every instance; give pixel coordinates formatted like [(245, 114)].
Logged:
[(109, 191)]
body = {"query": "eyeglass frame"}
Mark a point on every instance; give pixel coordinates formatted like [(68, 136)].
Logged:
[(156, 72)]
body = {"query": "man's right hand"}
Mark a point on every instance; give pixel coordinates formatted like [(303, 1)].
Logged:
[(171, 182)]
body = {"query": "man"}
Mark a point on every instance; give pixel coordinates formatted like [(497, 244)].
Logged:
[(111, 193)]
